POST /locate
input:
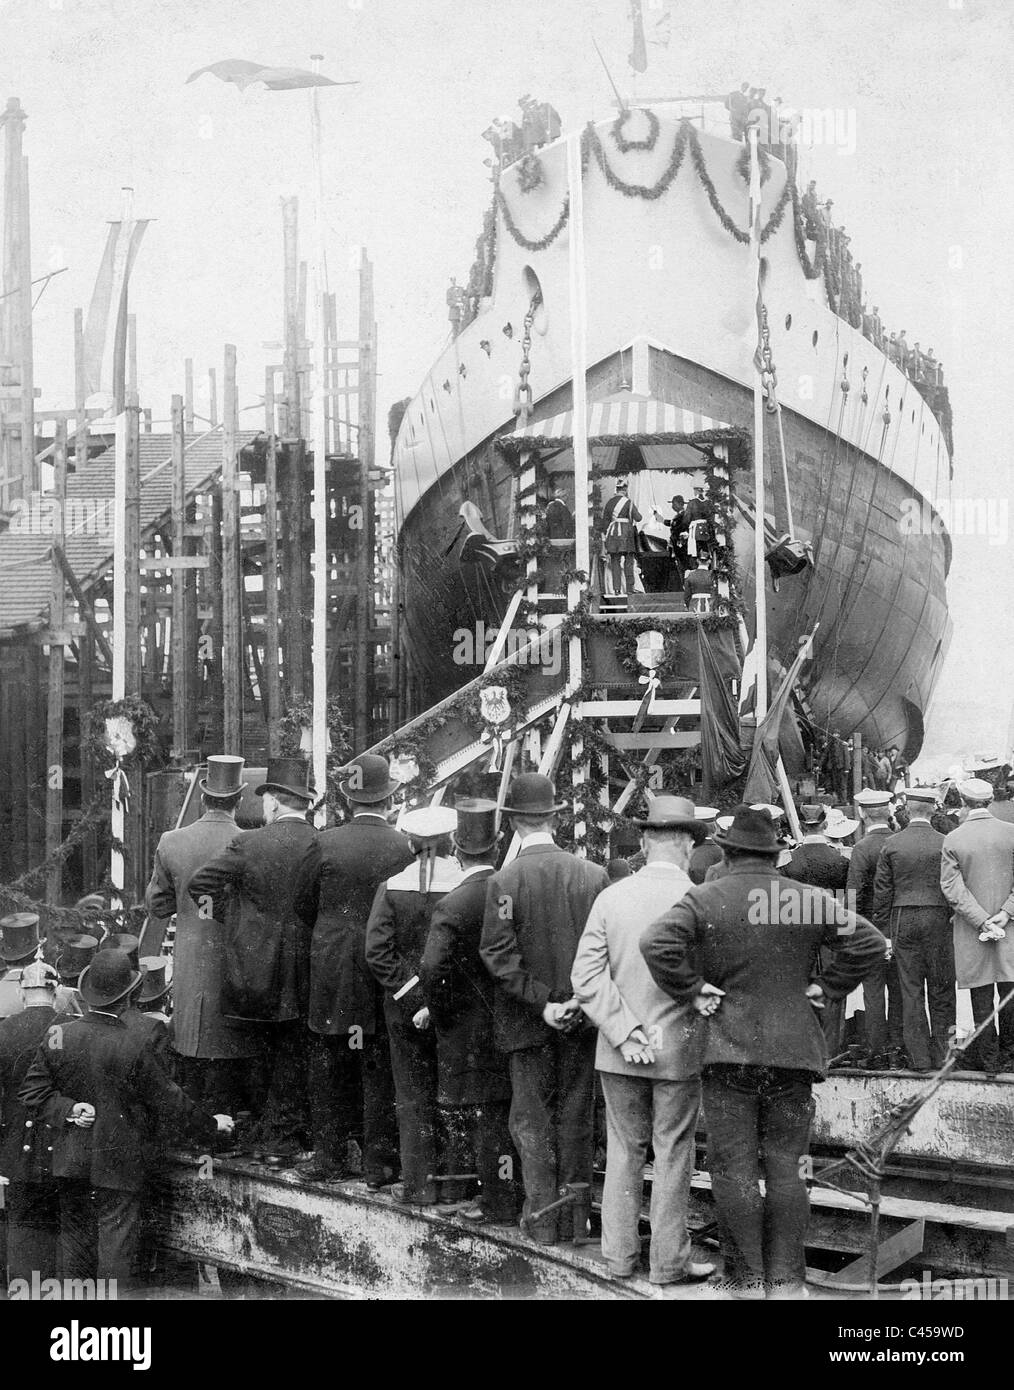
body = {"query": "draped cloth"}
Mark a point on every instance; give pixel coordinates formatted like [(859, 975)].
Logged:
[(761, 782), (722, 757)]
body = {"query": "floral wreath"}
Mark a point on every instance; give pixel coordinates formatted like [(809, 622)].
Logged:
[(623, 144)]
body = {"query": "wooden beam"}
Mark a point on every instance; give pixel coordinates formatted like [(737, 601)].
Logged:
[(271, 699), (366, 407), (188, 395), (212, 398), (893, 1252), (86, 764), (131, 616), (232, 639), (178, 638), (85, 605), (131, 353), (54, 712), (80, 394)]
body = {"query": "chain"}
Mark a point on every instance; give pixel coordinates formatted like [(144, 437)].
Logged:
[(769, 378), (523, 395)]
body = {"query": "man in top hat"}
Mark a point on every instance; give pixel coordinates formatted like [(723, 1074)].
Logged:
[(351, 1085), (153, 998), (536, 909), (19, 943), (977, 879), (123, 941), (741, 950), (75, 957), (698, 519), (216, 1054), (885, 1038), (99, 1086), (30, 1197), (265, 964), (473, 1085), (619, 517), (395, 940), (648, 1054), (910, 909), (815, 860)]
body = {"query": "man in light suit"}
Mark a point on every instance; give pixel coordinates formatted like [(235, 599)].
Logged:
[(215, 1052), (977, 878), (648, 1055), (536, 910)]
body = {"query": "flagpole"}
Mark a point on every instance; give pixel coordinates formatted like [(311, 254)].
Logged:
[(319, 430), (759, 569), (119, 635)]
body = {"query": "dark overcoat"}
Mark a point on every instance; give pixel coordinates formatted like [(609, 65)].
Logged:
[(26, 1144)]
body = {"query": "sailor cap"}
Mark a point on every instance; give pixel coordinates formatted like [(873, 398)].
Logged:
[(976, 789), (922, 794), (870, 796), (428, 823)]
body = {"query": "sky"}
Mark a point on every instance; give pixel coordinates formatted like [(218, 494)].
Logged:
[(925, 194)]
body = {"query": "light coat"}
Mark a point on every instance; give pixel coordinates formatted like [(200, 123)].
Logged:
[(977, 878)]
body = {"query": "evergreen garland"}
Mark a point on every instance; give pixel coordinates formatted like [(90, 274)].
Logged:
[(622, 143)]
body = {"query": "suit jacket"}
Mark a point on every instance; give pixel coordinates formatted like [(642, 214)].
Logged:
[(977, 879), (536, 910), (334, 897), (1003, 810), (819, 865), (459, 992), (862, 873), (26, 1144), (908, 873), (199, 950), (252, 886), (615, 989), (113, 1066), (764, 961), (397, 930)]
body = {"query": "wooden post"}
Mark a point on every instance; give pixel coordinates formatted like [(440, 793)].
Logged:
[(759, 565), (36, 756), (132, 522), (292, 493), (579, 367), (366, 581), (119, 685), (188, 395), (212, 398), (29, 468), (857, 763), (86, 763), (54, 715), (131, 353), (272, 690), (179, 638), (80, 394), (232, 636)]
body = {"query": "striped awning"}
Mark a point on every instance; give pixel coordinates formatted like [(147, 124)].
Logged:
[(616, 420)]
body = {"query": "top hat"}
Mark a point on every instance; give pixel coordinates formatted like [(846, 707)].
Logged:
[(155, 985), (532, 794), (110, 977), (813, 815), (224, 776), (673, 813), (76, 956), (922, 794), (750, 830), (870, 796), (976, 789), (20, 933), (289, 775), (121, 941), (367, 779), (476, 829)]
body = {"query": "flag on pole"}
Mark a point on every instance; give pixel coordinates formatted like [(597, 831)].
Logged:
[(639, 51), (105, 335), (722, 756), (761, 782), (242, 74)]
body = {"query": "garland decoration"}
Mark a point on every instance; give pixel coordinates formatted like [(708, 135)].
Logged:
[(622, 143), (294, 726), (543, 242), (124, 732), (743, 164)]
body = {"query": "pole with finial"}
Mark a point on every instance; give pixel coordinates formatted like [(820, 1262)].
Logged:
[(319, 431)]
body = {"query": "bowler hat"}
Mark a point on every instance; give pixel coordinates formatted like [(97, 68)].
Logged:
[(121, 941), (155, 985), (476, 829), (224, 777), (813, 815), (367, 779), (289, 775), (532, 794), (674, 813), (76, 956), (750, 830), (20, 933), (110, 977)]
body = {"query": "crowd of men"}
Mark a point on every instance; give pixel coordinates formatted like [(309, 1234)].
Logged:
[(407, 1006)]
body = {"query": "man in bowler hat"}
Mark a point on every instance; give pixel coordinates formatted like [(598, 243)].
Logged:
[(536, 909), (742, 950), (351, 1086), (216, 1054), (108, 1101), (251, 887), (474, 1088)]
